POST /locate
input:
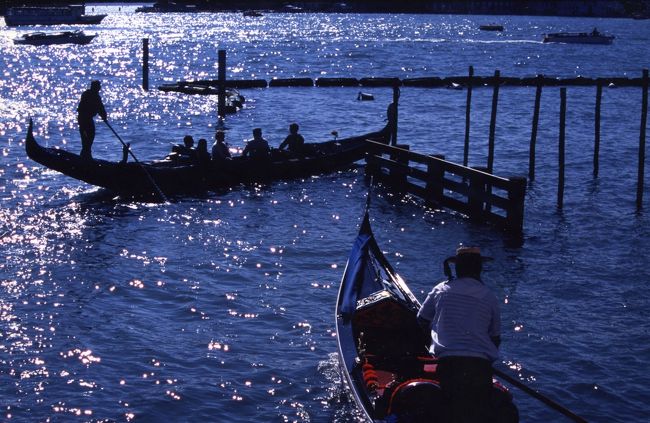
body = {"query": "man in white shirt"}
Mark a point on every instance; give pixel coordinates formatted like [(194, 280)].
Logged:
[(465, 323)]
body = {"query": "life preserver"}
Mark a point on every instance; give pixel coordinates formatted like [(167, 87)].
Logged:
[(416, 400)]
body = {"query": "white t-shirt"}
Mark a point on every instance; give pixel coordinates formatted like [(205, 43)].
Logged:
[(464, 315)]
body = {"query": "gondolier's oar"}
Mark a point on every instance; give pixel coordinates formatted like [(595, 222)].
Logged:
[(546, 400), (158, 190)]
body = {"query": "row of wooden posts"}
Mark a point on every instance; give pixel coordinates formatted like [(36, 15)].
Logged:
[(479, 201), (477, 183), (470, 80)]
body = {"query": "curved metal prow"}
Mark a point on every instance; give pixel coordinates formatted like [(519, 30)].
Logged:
[(372, 179), (365, 224)]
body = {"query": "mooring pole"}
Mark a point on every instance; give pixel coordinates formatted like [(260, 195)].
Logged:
[(396, 93), (493, 121), (221, 105), (533, 133), (467, 115), (599, 94), (644, 121), (145, 64), (560, 179)]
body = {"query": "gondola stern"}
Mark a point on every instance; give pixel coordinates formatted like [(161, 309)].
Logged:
[(31, 146)]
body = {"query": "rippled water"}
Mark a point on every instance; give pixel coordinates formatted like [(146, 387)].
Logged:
[(221, 308)]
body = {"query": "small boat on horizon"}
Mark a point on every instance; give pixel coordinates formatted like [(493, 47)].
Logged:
[(234, 99), (50, 15), (168, 7), (593, 37), (252, 13), (491, 27), (51, 38)]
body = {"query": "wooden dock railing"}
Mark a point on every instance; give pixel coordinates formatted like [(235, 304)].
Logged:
[(470, 191)]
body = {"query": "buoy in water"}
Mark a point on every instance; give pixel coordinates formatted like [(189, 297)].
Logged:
[(365, 96)]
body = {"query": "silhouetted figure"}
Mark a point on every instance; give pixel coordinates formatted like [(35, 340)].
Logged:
[(294, 141), (220, 150), (258, 147), (125, 152), (183, 152), (202, 155), (90, 105)]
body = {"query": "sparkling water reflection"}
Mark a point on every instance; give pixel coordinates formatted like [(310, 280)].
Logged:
[(220, 308)]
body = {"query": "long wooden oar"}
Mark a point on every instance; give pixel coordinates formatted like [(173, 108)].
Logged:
[(546, 400), (158, 190)]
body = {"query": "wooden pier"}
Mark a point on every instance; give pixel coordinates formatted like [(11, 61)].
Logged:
[(481, 196)]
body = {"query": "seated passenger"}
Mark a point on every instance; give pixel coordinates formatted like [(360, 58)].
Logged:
[(183, 151), (294, 141), (220, 150), (202, 155), (258, 147)]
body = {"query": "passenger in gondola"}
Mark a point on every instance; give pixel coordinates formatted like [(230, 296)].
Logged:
[(202, 155), (89, 106), (464, 319), (294, 141), (258, 147), (220, 151), (185, 150), (125, 152)]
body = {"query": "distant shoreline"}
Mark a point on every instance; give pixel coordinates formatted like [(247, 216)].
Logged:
[(639, 9)]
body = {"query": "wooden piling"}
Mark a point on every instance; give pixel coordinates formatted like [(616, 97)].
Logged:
[(467, 115), (398, 175), (599, 94), (515, 212), (476, 195), (145, 64), (493, 122), (394, 110), (561, 144), (644, 121), (221, 105), (434, 187), (533, 133)]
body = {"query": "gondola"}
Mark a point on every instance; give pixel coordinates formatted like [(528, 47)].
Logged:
[(51, 38), (383, 353), (131, 179)]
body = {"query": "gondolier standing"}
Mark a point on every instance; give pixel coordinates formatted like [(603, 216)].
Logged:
[(465, 322), (90, 105)]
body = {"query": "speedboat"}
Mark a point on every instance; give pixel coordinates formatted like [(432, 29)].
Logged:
[(50, 15), (49, 38), (593, 37)]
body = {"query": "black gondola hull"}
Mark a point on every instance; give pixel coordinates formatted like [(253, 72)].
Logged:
[(173, 179)]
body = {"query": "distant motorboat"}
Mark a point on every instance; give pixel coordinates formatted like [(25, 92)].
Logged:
[(50, 15), (365, 96), (252, 13), (491, 27), (50, 38), (168, 7), (593, 37), (289, 8)]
